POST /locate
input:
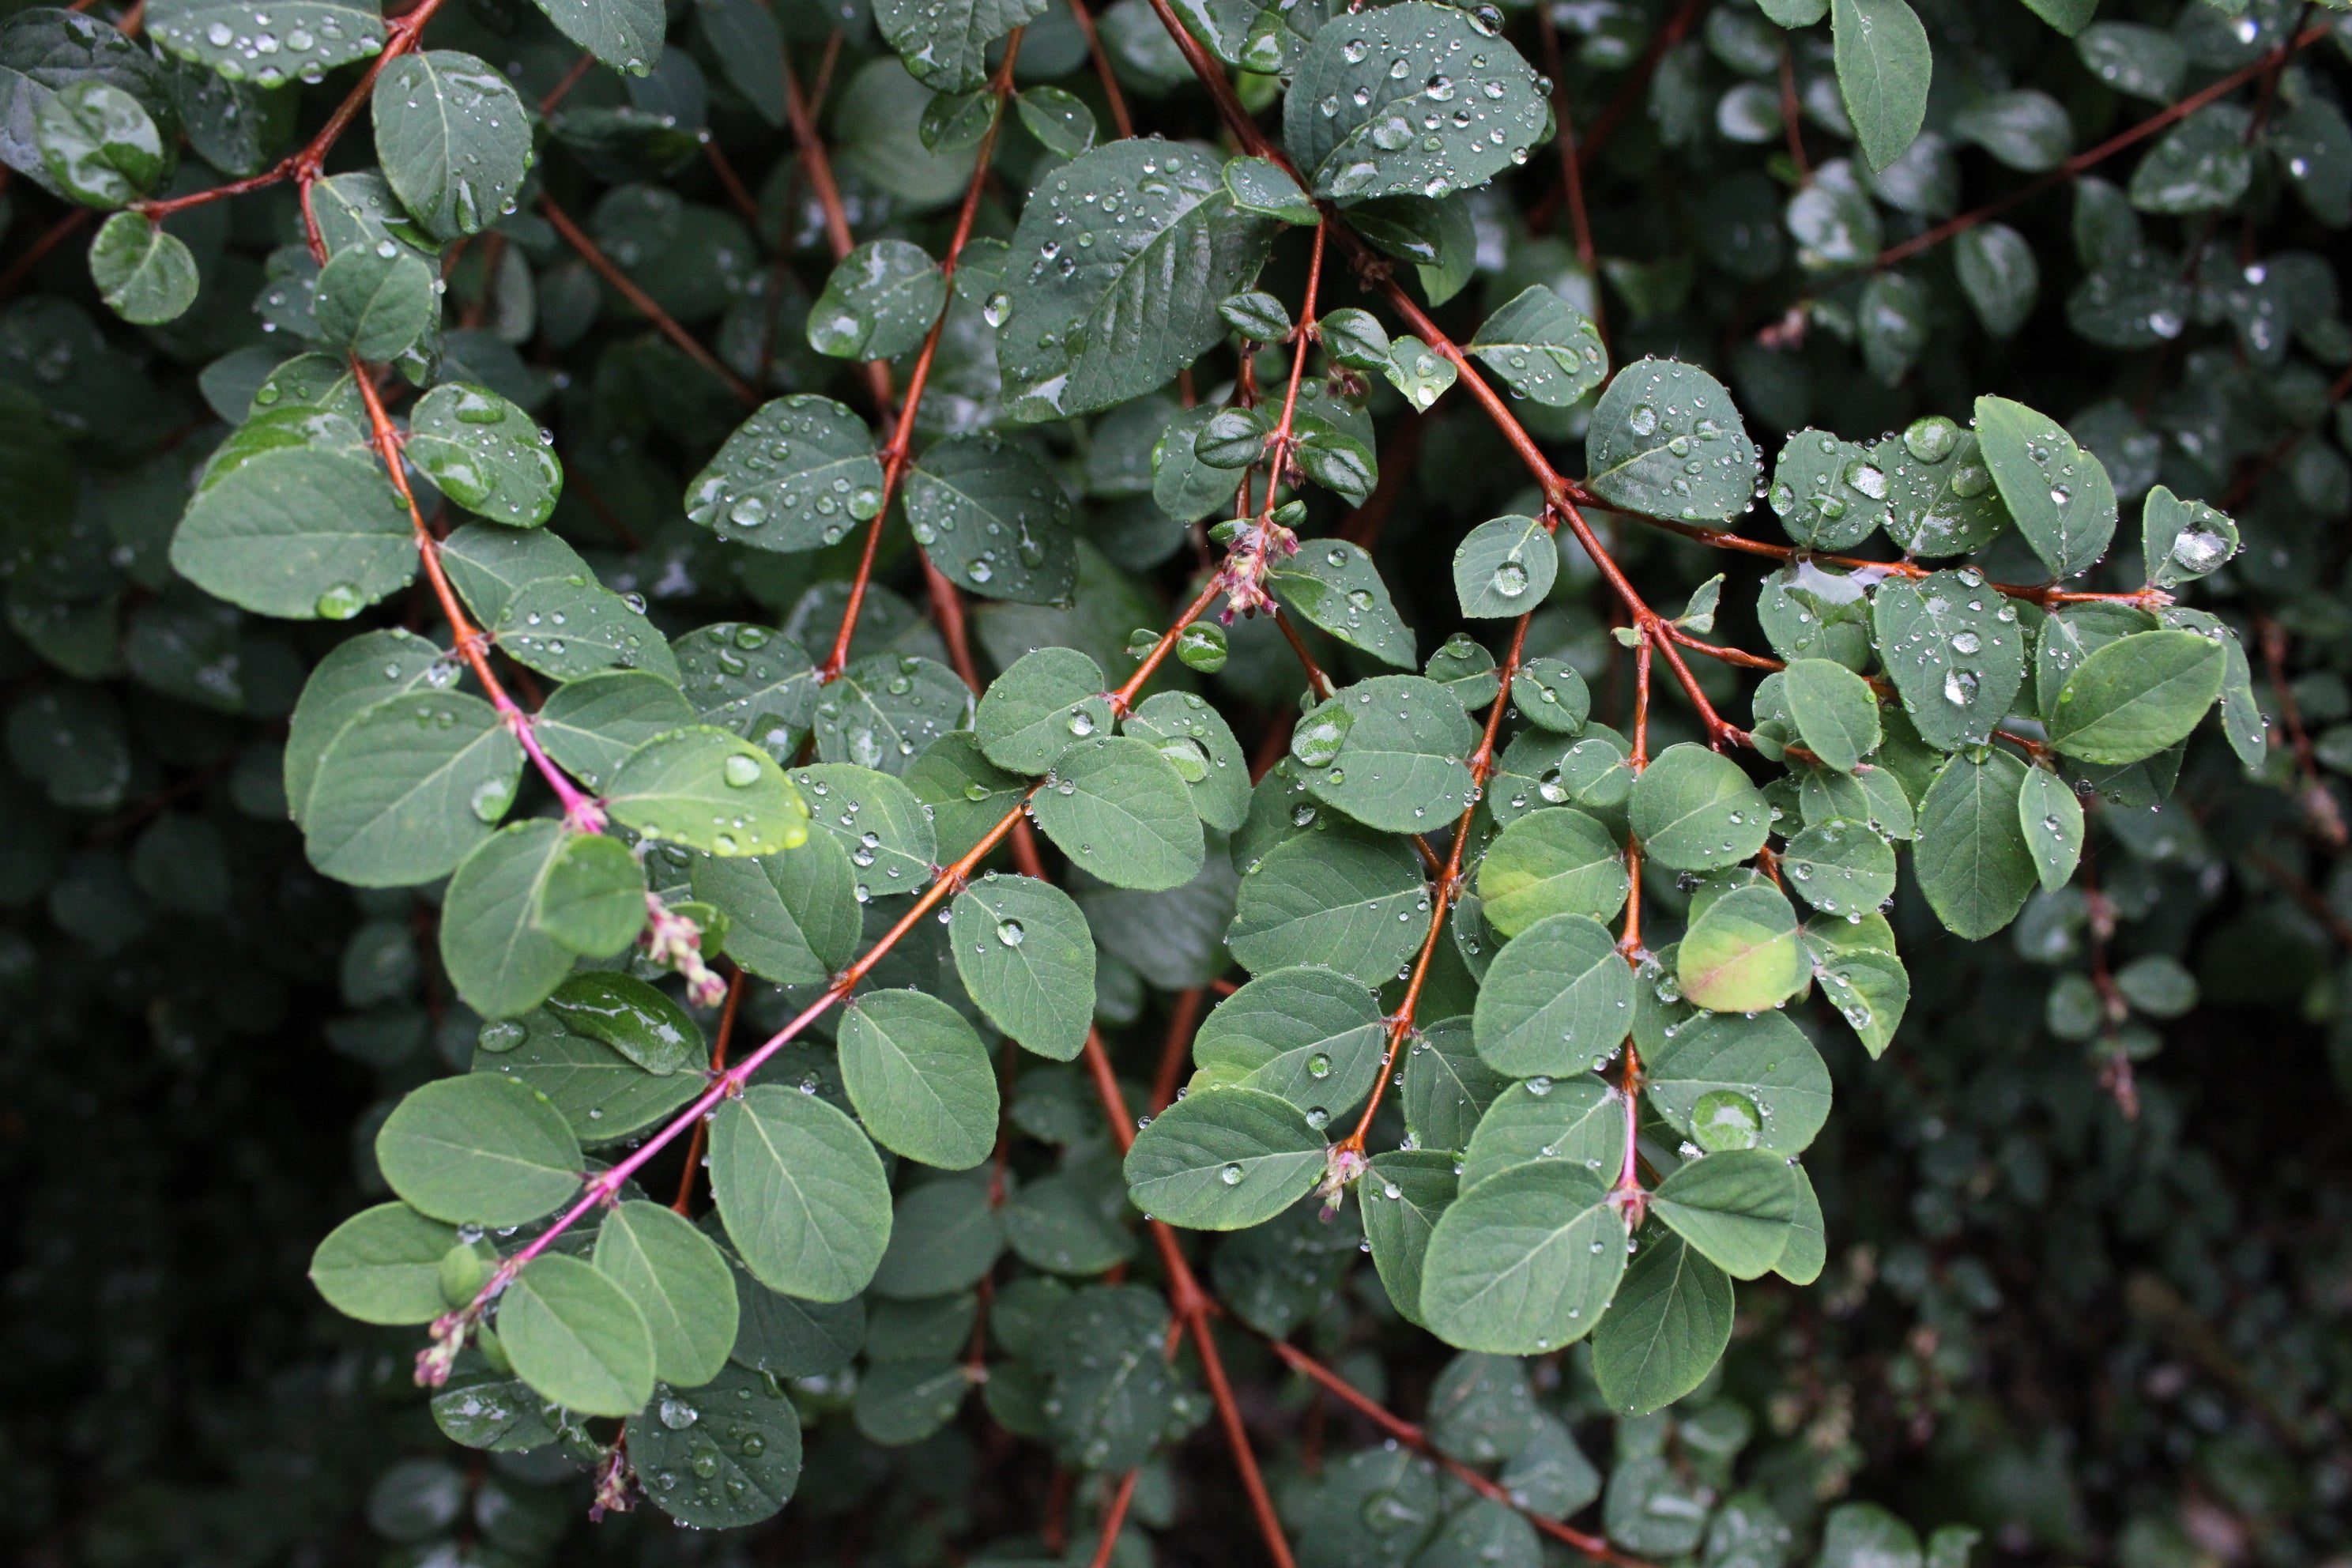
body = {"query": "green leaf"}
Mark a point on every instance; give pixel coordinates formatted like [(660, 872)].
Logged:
[(2202, 164), (1665, 1330), (801, 1191), (1334, 898), (1335, 586), (1023, 951), (920, 1077), (488, 565), (591, 725), (1543, 347), (602, 1096), (1883, 65), (994, 518), (1863, 1535), (876, 819), (1943, 500), (100, 145), (1399, 765), (1121, 812), (1057, 1224), (901, 1403), (1420, 372), (478, 1149), (1736, 1207), (946, 45), (311, 36), (884, 709), (1199, 744), (1504, 567), (702, 787), (1667, 441), (639, 1022), (1524, 1262), (2026, 130), (576, 1338), (1835, 710), (1550, 862), (1377, 144), (355, 676), (1579, 1119), (1841, 866), (1549, 694), (679, 1283), (593, 899), (408, 788), (2144, 62), (1060, 121), (1955, 652), (1264, 187), (293, 516), (2059, 493), (1336, 459), (796, 476), (1049, 701), (1829, 494), (2137, 696), (484, 454), (1223, 1159), (1402, 1196), (1309, 1035), (1869, 990), (1972, 857), (1088, 325), (384, 1266), (944, 1238), (454, 139), (570, 627), (625, 33), (1764, 1060), (1741, 954), (1999, 276), (378, 307), (1447, 1086), (965, 793), (2069, 16), (2183, 540), (1557, 998), (498, 956), (879, 302), (1696, 811), (720, 1455), (2052, 820), (793, 916), (146, 276)]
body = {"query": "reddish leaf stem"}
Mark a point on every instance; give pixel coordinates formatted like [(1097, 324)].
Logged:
[(626, 287)]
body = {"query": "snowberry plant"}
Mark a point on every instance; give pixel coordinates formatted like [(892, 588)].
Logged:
[(1016, 681)]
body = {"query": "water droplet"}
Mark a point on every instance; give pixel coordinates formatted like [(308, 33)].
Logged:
[(740, 769), (1231, 1176), (340, 602)]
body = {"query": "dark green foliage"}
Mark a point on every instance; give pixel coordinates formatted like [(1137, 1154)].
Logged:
[(648, 723)]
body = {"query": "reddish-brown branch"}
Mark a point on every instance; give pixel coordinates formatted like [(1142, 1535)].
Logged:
[(733, 183), (1120, 119), (571, 79), (1123, 699), (899, 449), (1637, 83), (946, 608), (2082, 162), (1413, 1436), (1441, 894), (1182, 1018), (815, 163), (1316, 681), (1792, 115), (718, 1064), (2318, 801), (1114, 1519), (1571, 167), (603, 267)]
